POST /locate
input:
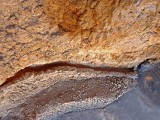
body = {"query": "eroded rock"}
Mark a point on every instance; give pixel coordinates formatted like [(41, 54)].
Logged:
[(111, 33), (61, 90)]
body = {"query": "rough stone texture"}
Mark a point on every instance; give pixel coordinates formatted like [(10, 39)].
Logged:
[(97, 32), (141, 103), (133, 105), (38, 96), (102, 33)]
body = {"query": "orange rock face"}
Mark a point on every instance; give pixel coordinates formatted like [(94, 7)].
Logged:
[(114, 33), (58, 56)]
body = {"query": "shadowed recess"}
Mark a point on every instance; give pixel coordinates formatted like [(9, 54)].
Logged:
[(45, 67), (149, 81)]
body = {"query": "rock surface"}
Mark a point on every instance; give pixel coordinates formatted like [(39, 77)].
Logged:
[(141, 103), (60, 90), (58, 56), (113, 33)]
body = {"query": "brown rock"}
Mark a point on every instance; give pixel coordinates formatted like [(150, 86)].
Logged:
[(52, 92), (112, 33)]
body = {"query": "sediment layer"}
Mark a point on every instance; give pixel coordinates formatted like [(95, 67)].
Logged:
[(60, 90)]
